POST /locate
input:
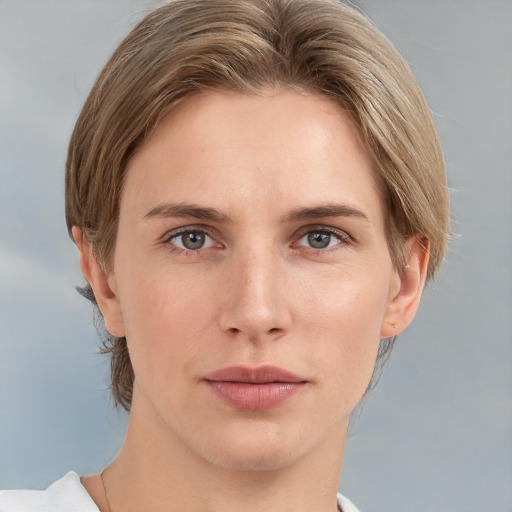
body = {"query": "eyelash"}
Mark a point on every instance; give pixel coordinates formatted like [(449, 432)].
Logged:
[(342, 236), (173, 235)]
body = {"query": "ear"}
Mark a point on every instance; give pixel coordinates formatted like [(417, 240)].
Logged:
[(103, 285), (406, 293)]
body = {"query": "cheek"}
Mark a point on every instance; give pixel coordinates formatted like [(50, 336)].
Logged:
[(345, 318), (348, 302), (165, 319)]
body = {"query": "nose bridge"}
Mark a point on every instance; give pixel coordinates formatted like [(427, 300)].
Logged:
[(255, 305)]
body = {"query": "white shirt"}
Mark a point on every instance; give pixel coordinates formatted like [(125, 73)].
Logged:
[(69, 495)]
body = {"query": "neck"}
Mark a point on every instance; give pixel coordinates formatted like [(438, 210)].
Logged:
[(156, 471)]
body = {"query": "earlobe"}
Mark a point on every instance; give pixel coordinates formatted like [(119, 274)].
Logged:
[(102, 284), (404, 303)]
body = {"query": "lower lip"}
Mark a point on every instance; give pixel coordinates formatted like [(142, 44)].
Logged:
[(255, 397)]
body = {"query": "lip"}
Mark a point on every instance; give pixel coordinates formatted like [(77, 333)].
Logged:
[(254, 389)]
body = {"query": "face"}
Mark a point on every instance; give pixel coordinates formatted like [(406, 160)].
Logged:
[(252, 277)]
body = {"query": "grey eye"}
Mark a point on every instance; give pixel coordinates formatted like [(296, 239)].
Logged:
[(323, 239), (319, 240), (193, 240)]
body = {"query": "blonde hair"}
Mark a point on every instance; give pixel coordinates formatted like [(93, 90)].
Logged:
[(322, 46)]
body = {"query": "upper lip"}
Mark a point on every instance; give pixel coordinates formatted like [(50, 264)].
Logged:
[(259, 375)]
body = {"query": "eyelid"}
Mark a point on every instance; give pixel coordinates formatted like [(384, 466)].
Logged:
[(342, 235), (171, 235)]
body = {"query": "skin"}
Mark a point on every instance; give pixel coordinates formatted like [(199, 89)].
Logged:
[(255, 293)]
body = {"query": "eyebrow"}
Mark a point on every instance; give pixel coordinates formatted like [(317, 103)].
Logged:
[(192, 211), (322, 211)]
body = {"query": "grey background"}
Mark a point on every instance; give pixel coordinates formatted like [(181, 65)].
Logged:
[(436, 432)]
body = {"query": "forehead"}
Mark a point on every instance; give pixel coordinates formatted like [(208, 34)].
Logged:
[(277, 148)]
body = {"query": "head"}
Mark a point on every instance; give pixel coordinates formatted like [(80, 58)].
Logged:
[(189, 48)]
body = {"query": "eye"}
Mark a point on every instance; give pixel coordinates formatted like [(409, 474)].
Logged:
[(323, 239), (191, 240)]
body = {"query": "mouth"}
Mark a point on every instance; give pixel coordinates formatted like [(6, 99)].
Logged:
[(254, 389)]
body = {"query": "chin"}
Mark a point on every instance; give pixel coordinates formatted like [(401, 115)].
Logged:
[(264, 446), (264, 459)]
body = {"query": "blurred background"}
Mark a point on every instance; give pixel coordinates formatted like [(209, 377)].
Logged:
[(436, 433)]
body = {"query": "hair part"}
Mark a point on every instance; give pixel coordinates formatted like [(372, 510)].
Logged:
[(320, 46)]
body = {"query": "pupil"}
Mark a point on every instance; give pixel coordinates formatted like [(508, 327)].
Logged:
[(193, 240), (319, 240)]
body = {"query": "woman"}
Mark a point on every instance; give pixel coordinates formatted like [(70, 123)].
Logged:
[(257, 193)]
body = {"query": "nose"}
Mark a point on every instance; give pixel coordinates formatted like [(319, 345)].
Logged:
[(255, 305)]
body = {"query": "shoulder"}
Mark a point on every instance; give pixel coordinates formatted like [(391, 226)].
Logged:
[(344, 504), (62, 496)]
